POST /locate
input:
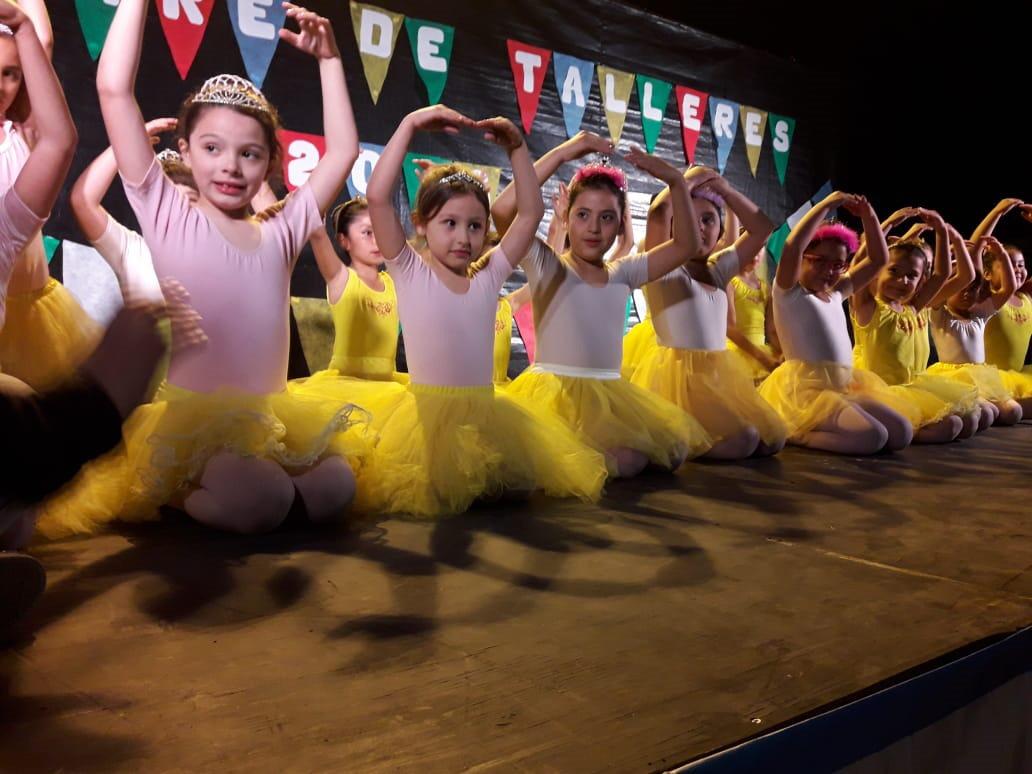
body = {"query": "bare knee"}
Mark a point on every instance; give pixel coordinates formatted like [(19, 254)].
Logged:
[(1009, 413), (629, 462), (736, 447), (242, 494)]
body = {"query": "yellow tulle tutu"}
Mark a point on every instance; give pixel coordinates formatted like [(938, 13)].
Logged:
[(986, 378), (639, 340), (756, 370), (613, 413), (46, 336), (714, 387), (805, 395), (440, 448), (167, 443), (1019, 383), (330, 375)]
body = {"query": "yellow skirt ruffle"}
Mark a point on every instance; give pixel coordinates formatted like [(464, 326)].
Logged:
[(805, 395), (756, 369), (166, 444), (329, 375), (639, 340), (613, 413), (440, 448), (47, 334), (1018, 382), (714, 387), (986, 378)]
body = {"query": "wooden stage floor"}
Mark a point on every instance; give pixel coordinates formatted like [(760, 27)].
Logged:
[(679, 615)]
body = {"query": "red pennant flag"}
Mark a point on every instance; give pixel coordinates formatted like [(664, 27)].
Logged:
[(301, 152), (529, 65), (691, 107), (184, 22)]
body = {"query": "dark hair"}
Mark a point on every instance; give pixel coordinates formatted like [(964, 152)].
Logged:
[(596, 182), (344, 215), (434, 193), (178, 172), (191, 112), (990, 257)]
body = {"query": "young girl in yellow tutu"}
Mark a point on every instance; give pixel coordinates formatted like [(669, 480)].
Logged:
[(890, 324), (46, 333), (580, 304), (1007, 334), (958, 328), (826, 402), (225, 437), (362, 299), (449, 438), (750, 321), (690, 364)]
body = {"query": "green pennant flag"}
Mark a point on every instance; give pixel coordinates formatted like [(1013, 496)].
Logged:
[(412, 173), (653, 96), (95, 18), (50, 246), (776, 242), (781, 130), (431, 53)]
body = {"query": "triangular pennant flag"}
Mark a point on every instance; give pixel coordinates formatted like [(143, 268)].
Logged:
[(50, 245), (431, 52), (797, 216), (691, 107), (524, 319), (724, 122), (573, 79), (781, 130), (616, 88), (776, 242), (754, 123), (376, 32), (823, 192), (301, 152), (653, 96), (184, 22), (529, 64), (256, 25), (412, 172), (368, 156), (95, 18)]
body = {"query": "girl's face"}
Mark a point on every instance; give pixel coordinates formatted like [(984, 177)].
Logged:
[(593, 224), (1017, 260), (10, 73), (709, 224), (900, 278), (823, 265), (455, 235), (229, 157), (360, 242)]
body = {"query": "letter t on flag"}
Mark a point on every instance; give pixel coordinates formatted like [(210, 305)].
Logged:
[(529, 65)]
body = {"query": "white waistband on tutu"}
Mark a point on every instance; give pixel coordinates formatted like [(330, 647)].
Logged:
[(577, 372)]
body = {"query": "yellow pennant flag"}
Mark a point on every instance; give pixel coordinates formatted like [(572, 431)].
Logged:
[(376, 32), (754, 122), (616, 89), (491, 176)]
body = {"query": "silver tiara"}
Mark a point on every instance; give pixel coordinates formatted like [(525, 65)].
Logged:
[(169, 155), (461, 177), (5, 30), (233, 91)]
